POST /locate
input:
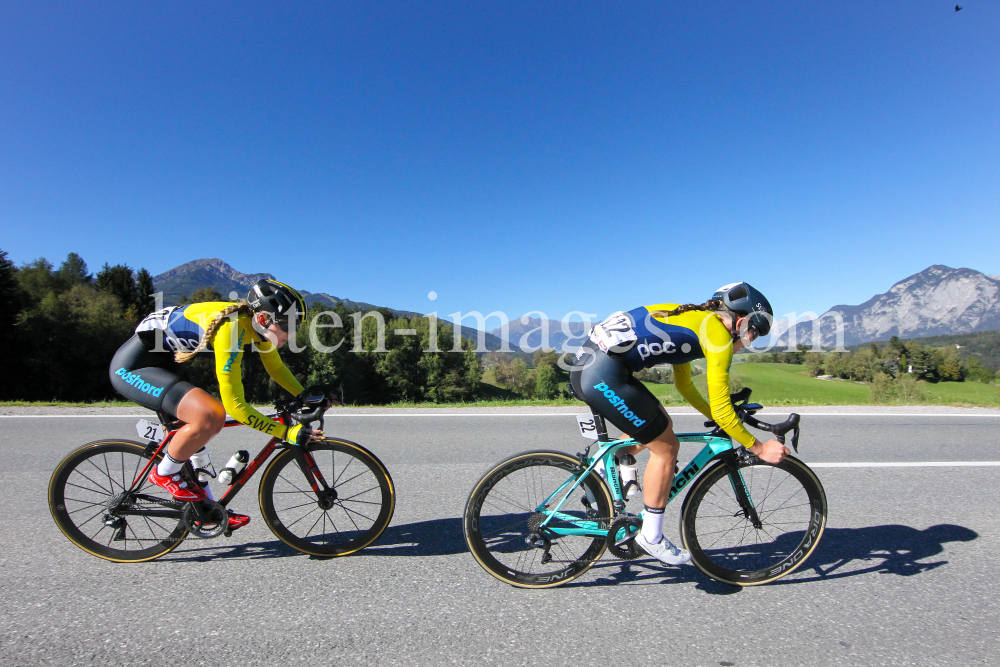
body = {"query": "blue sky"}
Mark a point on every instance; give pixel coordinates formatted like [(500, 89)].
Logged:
[(509, 156)]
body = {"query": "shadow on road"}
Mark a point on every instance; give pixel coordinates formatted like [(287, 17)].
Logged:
[(440, 537), (842, 552)]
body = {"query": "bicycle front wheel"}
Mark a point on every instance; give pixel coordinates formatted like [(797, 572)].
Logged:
[(505, 510), (340, 523), (91, 502), (724, 543)]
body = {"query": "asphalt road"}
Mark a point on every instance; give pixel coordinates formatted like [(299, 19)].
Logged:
[(906, 573)]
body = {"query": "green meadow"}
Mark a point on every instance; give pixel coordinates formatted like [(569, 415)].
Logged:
[(772, 384), (791, 384)]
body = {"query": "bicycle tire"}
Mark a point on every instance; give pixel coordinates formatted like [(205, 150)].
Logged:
[(790, 502), (89, 481), (512, 490), (361, 512)]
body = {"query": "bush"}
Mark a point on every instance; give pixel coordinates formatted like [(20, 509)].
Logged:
[(656, 375), (904, 390)]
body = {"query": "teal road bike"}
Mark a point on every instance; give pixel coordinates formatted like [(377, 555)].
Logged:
[(542, 518)]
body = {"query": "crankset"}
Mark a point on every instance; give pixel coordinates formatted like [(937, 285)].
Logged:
[(205, 518), (621, 537)]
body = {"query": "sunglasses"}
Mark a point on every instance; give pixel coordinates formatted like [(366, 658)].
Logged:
[(282, 323)]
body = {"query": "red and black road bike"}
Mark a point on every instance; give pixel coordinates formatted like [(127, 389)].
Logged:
[(331, 497)]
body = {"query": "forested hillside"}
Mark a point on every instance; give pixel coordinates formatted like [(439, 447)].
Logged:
[(60, 327)]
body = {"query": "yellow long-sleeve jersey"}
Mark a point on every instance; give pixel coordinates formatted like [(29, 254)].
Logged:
[(678, 340), (184, 327)]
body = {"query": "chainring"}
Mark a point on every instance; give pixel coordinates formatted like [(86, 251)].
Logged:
[(217, 523), (621, 537)]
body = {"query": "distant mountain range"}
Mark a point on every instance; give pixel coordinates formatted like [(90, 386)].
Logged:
[(186, 279), (937, 301), (516, 332)]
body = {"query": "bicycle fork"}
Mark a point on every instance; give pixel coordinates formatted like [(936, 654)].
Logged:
[(326, 496), (741, 491)]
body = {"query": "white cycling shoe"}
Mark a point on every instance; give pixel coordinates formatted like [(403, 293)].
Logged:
[(663, 551)]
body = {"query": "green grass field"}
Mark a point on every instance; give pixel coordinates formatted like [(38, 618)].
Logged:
[(772, 384), (790, 384)]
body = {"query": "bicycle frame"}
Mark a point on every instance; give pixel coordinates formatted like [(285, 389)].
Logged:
[(715, 447), (303, 457)]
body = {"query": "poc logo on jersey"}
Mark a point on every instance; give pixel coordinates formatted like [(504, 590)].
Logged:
[(186, 344), (619, 403), (136, 381), (646, 351)]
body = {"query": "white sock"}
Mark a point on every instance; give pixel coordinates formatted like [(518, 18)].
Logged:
[(652, 524), (169, 466)]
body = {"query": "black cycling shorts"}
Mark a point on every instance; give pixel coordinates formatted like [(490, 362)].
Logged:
[(148, 378), (608, 386)]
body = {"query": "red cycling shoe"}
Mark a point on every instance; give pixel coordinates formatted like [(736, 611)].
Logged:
[(237, 520), (177, 486)]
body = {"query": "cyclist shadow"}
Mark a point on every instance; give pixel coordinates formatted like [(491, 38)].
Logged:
[(438, 537), (842, 552)]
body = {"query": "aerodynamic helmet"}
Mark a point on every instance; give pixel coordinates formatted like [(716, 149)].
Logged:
[(278, 299), (745, 300)]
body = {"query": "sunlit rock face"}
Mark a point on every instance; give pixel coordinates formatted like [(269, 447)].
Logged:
[(937, 301)]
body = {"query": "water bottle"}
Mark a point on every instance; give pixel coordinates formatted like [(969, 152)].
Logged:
[(234, 466), (629, 474)]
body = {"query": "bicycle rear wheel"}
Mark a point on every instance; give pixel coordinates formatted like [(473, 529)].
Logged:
[(725, 545), (90, 501), (348, 520), (506, 507)]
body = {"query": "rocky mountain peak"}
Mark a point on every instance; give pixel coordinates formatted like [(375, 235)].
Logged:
[(937, 301)]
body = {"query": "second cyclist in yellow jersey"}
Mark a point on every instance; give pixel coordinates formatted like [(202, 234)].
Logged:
[(145, 370)]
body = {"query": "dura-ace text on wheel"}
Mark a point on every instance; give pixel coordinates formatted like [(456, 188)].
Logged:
[(726, 545), (93, 503), (505, 520), (346, 518)]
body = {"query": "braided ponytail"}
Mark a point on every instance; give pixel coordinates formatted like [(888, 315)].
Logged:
[(713, 305), (241, 307)]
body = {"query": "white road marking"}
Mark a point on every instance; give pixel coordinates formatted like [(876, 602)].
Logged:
[(906, 464)]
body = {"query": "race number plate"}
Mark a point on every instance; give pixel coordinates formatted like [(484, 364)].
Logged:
[(149, 431), (588, 428), (614, 332)]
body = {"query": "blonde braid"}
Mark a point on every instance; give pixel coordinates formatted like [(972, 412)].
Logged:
[(241, 307), (711, 305)]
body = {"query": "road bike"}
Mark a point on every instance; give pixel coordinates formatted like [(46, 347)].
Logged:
[(745, 521), (331, 497)]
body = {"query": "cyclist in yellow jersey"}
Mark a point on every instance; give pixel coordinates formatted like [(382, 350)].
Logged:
[(145, 369), (668, 333)]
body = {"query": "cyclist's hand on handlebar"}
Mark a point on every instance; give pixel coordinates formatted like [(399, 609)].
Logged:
[(307, 435), (771, 451)]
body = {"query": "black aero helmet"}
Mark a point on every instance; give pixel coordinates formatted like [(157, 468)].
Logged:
[(277, 298), (743, 299)]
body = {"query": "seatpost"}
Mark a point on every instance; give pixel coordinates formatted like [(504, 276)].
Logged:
[(602, 428)]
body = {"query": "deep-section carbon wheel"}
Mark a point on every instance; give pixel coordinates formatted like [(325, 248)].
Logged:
[(339, 523), (506, 508), (725, 545), (89, 501)]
